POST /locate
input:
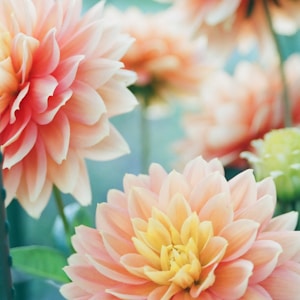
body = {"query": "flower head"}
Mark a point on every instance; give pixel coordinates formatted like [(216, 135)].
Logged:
[(61, 80), (189, 235), (231, 112), (278, 155), (168, 62)]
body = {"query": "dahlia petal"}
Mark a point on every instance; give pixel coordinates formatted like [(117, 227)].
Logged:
[(97, 72), (256, 292), (282, 284), (261, 211), (56, 137), (86, 105), (218, 210), (140, 203), (15, 152), (34, 207), (174, 184), (286, 239), (178, 210), (8, 80), (59, 173), (208, 187), (72, 291), (157, 175), (76, 44), (35, 165), (131, 292), (112, 245), (11, 180), (86, 136), (110, 147), (243, 189), (66, 72), (112, 219), (82, 190), (40, 91), (22, 58), (47, 56), (118, 99), (240, 236), (287, 221), (232, 279), (54, 105), (266, 187), (17, 102), (116, 198), (264, 255)]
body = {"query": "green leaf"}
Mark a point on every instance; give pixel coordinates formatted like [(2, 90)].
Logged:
[(44, 262)]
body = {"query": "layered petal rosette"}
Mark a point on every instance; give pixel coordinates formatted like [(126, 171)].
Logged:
[(61, 80), (189, 235)]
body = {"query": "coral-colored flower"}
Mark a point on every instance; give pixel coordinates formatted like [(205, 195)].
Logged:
[(233, 110), (168, 62), (189, 235), (61, 80), (229, 23)]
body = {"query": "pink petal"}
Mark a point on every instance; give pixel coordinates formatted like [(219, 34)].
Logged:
[(256, 292), (240, 236), (157, 176), (287, 221), (232, 279)]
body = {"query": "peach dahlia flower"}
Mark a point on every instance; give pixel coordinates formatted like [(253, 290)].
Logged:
[(61, 80), (169, 64), (189, 235), (232, 111)]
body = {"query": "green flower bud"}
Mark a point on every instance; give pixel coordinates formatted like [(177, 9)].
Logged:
[(278, 155)]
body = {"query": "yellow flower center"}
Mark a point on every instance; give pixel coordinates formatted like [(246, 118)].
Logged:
[(184, 254)]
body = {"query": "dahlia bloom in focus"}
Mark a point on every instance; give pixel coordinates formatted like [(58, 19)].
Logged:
[(232, 111), (169, 64), (61, 80), (189, 235)]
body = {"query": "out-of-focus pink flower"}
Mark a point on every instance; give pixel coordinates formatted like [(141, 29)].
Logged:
[(189, 235), (232, 111), (168, 62), (61, 80), (230, 23)]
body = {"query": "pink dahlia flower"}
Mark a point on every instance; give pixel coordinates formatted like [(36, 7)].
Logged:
[(189, 235), (168, 62), (233, 110), (229, 23), (61, 80)]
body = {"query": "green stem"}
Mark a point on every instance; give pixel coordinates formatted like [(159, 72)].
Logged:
[(6, 286), (145, 136), (60, 208), (286, 102)]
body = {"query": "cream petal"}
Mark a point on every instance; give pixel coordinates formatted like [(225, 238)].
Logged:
[(264, 256), (218, 210), (240, 236), (287, 221), (72, 291), (175, 183), (260, 211), (206, 188), (283, 284), (11, 180), (157, 176), (56, 137), (243, 189), (86, 106), (256, 292), (110, 147), (141, 202), (232, 279), (288, 240)]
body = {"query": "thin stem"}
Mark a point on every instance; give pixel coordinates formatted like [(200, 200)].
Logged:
[(145, 136), (6, 286), (286, 102), (60, 208)]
